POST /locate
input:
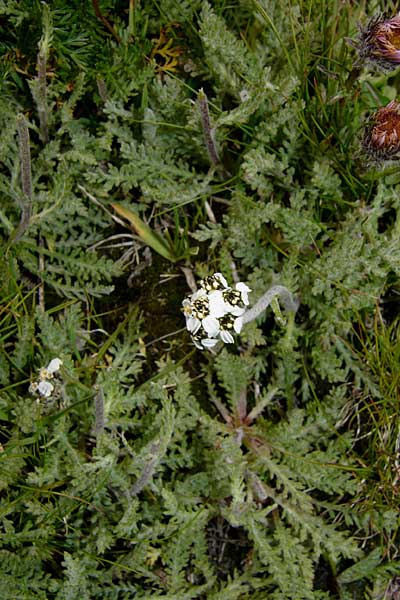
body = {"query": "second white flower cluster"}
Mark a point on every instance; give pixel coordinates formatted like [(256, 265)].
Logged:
[(43, 386), (215, 311)]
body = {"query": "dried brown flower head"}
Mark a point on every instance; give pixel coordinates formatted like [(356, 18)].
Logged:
[(379, 42), (381, 139)]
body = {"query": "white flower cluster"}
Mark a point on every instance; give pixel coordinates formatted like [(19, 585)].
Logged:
[(43, 386), (215, 311)]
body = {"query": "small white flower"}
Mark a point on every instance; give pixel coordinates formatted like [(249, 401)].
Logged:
[(196, 308), (193, 324), (201, 344), (244, 290), (244, 95), (45, 388), (214, 282), (235, 304), (54, 366), (222, 279)]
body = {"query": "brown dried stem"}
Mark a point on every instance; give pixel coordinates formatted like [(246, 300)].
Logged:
[(106, 23)]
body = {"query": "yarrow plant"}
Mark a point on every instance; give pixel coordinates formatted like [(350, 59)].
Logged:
[(215, 311), (43, 385)]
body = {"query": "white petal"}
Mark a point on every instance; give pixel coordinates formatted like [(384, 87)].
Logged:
[(236, 311), (211, 326), (244, 289), (217, 305), (54, 365), (201, 293), (226, 337), (45, 388), (209, 343), (221, 279), (197, 344), (238, 324), (193, 324)]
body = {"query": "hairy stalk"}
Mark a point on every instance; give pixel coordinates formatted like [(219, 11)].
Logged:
[(207, 130), (290, 304), (25, 155), (102, 89), (41, 300), (39, 84), (148, 469), (26, 178), (99, 411), (41, 96)]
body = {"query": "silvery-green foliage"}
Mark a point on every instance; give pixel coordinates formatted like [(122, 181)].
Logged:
[(158, 444), (229, 62), (182, 13), (144, 474), (66, 223), (282, 474), (157, 164)]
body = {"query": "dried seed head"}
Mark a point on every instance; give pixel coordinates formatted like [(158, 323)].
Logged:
[(379, 42), (381, 139)]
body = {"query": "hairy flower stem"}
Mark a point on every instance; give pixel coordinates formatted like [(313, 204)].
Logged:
[(290, 304), (39, 84), (26, 178), (25, 155), (207, 130), (102, 89), (99, 411), (41, 97), (148, 469)]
